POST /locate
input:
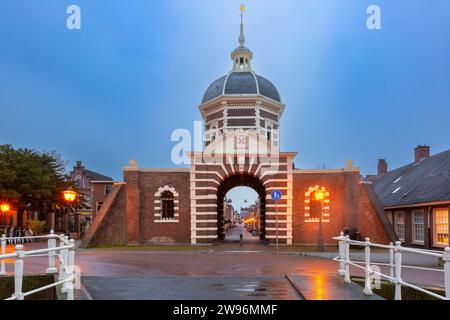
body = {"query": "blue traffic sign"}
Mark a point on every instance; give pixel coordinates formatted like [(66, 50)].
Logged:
[(276, 195)]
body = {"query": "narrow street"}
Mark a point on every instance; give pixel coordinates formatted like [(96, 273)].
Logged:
[(234, 234)]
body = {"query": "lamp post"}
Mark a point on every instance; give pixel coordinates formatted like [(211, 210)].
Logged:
[(69, 196), (319, 195)]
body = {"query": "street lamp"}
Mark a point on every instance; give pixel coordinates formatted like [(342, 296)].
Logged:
[(5, 208), (69, 196), (319, 195)]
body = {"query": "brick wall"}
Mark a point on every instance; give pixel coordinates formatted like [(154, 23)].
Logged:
[(307, 233), (370, 223), (141, 189), (350, 206), (109, 226)]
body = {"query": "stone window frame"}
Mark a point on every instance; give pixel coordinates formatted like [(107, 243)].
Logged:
[(325, 208), (157, 205)]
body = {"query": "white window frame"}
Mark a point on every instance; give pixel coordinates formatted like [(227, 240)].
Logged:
[(436, 243), (158, 205), (97, 209), (415, 225), (397, 215), (106, 187)]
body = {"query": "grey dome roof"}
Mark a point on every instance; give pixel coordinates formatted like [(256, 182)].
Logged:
[(237, 83)]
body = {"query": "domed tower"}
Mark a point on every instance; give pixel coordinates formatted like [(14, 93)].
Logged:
[(242, 100)]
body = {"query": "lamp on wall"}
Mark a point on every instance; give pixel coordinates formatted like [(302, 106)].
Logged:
[(319, 195)]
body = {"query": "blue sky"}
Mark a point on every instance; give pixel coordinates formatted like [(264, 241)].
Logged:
[(116, 89)]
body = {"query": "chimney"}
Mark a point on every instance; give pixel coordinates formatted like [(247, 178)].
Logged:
[(421, 153), (79, 164), (382, 167)]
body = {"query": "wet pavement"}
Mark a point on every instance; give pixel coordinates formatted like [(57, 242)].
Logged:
[(224, 272), (191, 288)]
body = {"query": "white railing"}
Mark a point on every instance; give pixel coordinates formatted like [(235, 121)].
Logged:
[(395, 265), (65, 253)]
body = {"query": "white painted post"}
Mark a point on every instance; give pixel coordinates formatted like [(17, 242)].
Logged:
[(447, 272), (65, 255), (368, 283), (3, 270), (61, 258), (398, 271), (341, 270), (391, 262), (71, 263), (347, 260), (51, 254), (18, 273)]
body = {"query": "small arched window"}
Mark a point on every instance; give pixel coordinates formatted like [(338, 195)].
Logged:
[(167, 205), (316, 209), (317, 205), (269, 133)]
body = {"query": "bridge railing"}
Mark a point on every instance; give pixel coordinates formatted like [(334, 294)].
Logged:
[(64, 253), (395, 265)]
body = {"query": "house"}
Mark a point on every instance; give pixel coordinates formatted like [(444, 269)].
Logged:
[(416, 198), (85, 180)]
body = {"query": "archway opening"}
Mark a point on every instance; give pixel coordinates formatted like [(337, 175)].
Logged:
[(239, 216)]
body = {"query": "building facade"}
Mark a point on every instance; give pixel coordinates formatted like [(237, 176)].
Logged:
[(85, 180), (241, 112), (416, 199)]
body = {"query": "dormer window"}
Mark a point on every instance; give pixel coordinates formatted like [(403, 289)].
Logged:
[(396, 190), (398, 179)]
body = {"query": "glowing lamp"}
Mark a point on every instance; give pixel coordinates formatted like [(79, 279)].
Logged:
[(70, 195), (319, 195), (4, 208)]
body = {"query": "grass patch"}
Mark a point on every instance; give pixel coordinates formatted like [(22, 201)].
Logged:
[(387, 291), (29, 283)]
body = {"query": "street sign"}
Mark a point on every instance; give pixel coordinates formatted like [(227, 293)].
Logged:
[(276, 195)]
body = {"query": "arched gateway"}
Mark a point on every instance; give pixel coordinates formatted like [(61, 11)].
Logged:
[(241, 112), (229, 162), (241, 180)]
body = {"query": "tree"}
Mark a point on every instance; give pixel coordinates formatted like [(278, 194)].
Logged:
[(31, 180)]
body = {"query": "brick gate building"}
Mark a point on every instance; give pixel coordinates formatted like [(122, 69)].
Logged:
[(241, 113)]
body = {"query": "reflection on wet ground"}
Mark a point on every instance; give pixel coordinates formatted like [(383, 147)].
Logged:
[(196, 288)]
